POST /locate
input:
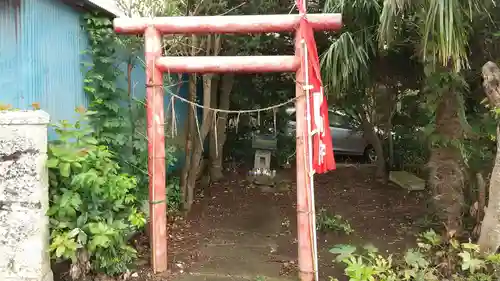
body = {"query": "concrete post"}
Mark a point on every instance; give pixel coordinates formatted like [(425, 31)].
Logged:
[(24, 192)]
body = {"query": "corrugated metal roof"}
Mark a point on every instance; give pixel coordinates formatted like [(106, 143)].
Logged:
[(109, 6)]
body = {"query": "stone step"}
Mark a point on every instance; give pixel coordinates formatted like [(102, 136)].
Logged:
[(227, 277), (240, 239), (407, 180), (237, 262)]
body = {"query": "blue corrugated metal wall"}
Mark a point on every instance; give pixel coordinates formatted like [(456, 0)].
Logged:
[(40, 52), (9, 87)]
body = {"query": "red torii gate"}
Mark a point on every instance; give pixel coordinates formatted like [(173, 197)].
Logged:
[(152, 28)]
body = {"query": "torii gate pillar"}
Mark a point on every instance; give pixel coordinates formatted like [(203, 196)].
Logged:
[(152, 28)]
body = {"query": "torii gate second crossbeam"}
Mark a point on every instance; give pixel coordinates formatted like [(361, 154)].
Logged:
[(152, 28)]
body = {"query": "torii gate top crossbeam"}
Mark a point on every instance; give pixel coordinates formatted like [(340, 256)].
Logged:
[(226, 24)]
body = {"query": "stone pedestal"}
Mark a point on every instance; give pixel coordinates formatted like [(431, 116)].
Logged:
[(24, 228), (262, 160)]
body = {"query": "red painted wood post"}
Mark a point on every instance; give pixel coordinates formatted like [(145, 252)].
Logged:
[(156, 151), (305, 250)]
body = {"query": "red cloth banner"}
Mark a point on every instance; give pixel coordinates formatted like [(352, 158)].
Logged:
[(323, 159)]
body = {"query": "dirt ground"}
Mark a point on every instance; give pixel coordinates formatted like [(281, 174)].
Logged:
[(237, 232)]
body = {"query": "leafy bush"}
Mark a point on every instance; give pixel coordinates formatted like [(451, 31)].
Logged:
[(326, 222), (411, 148), (286, 152), (433, 260), (93, 207), (174, 196)]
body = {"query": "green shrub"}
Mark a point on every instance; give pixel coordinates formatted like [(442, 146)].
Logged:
[(93, 209), (326, 222), (174, 196), (433, 260)]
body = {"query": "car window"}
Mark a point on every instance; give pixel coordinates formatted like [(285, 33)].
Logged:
[(334, 119), (337, 120)]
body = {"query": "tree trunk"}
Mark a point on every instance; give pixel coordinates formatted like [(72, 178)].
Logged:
[(478, 208), (390, 144), (212, 47), (190, 126), (393, 108), (374, 140), (446, 178), (212, 149), (218, 138), (199, 139), (131, 114), (204, 172), (489, 239)]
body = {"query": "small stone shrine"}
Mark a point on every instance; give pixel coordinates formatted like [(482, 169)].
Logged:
[(261, 174)]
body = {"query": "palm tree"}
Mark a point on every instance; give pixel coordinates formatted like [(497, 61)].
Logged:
[(346, 66), (438, 32)]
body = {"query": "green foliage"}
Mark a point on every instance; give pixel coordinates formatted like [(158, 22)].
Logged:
[(384, 39), (119, 119), (272, 88), (326, 222), (93, 207), (437, 86), (346, 63), (409, 122), (411, 147), (174, 196), (238, 145), (433, 260), (98, 166), (477, 124), (286, 152), (479, 153)]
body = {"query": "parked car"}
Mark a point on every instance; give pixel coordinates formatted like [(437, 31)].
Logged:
[(347, 136)]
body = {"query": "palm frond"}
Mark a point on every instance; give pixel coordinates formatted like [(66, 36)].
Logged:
[(392, 13), (344, 64), (354, 9), (446, 30)]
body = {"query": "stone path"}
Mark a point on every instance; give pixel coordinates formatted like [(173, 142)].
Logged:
[(245, 250)]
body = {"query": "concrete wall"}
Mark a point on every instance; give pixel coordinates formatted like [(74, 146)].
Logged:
[(24, 230)]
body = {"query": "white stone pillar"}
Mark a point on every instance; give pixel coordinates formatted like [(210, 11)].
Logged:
[(24, 196)]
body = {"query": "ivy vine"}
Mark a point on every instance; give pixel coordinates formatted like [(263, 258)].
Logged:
[(120, 118)]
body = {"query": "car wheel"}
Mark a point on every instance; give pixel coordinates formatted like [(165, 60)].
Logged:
[(370, 155)]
